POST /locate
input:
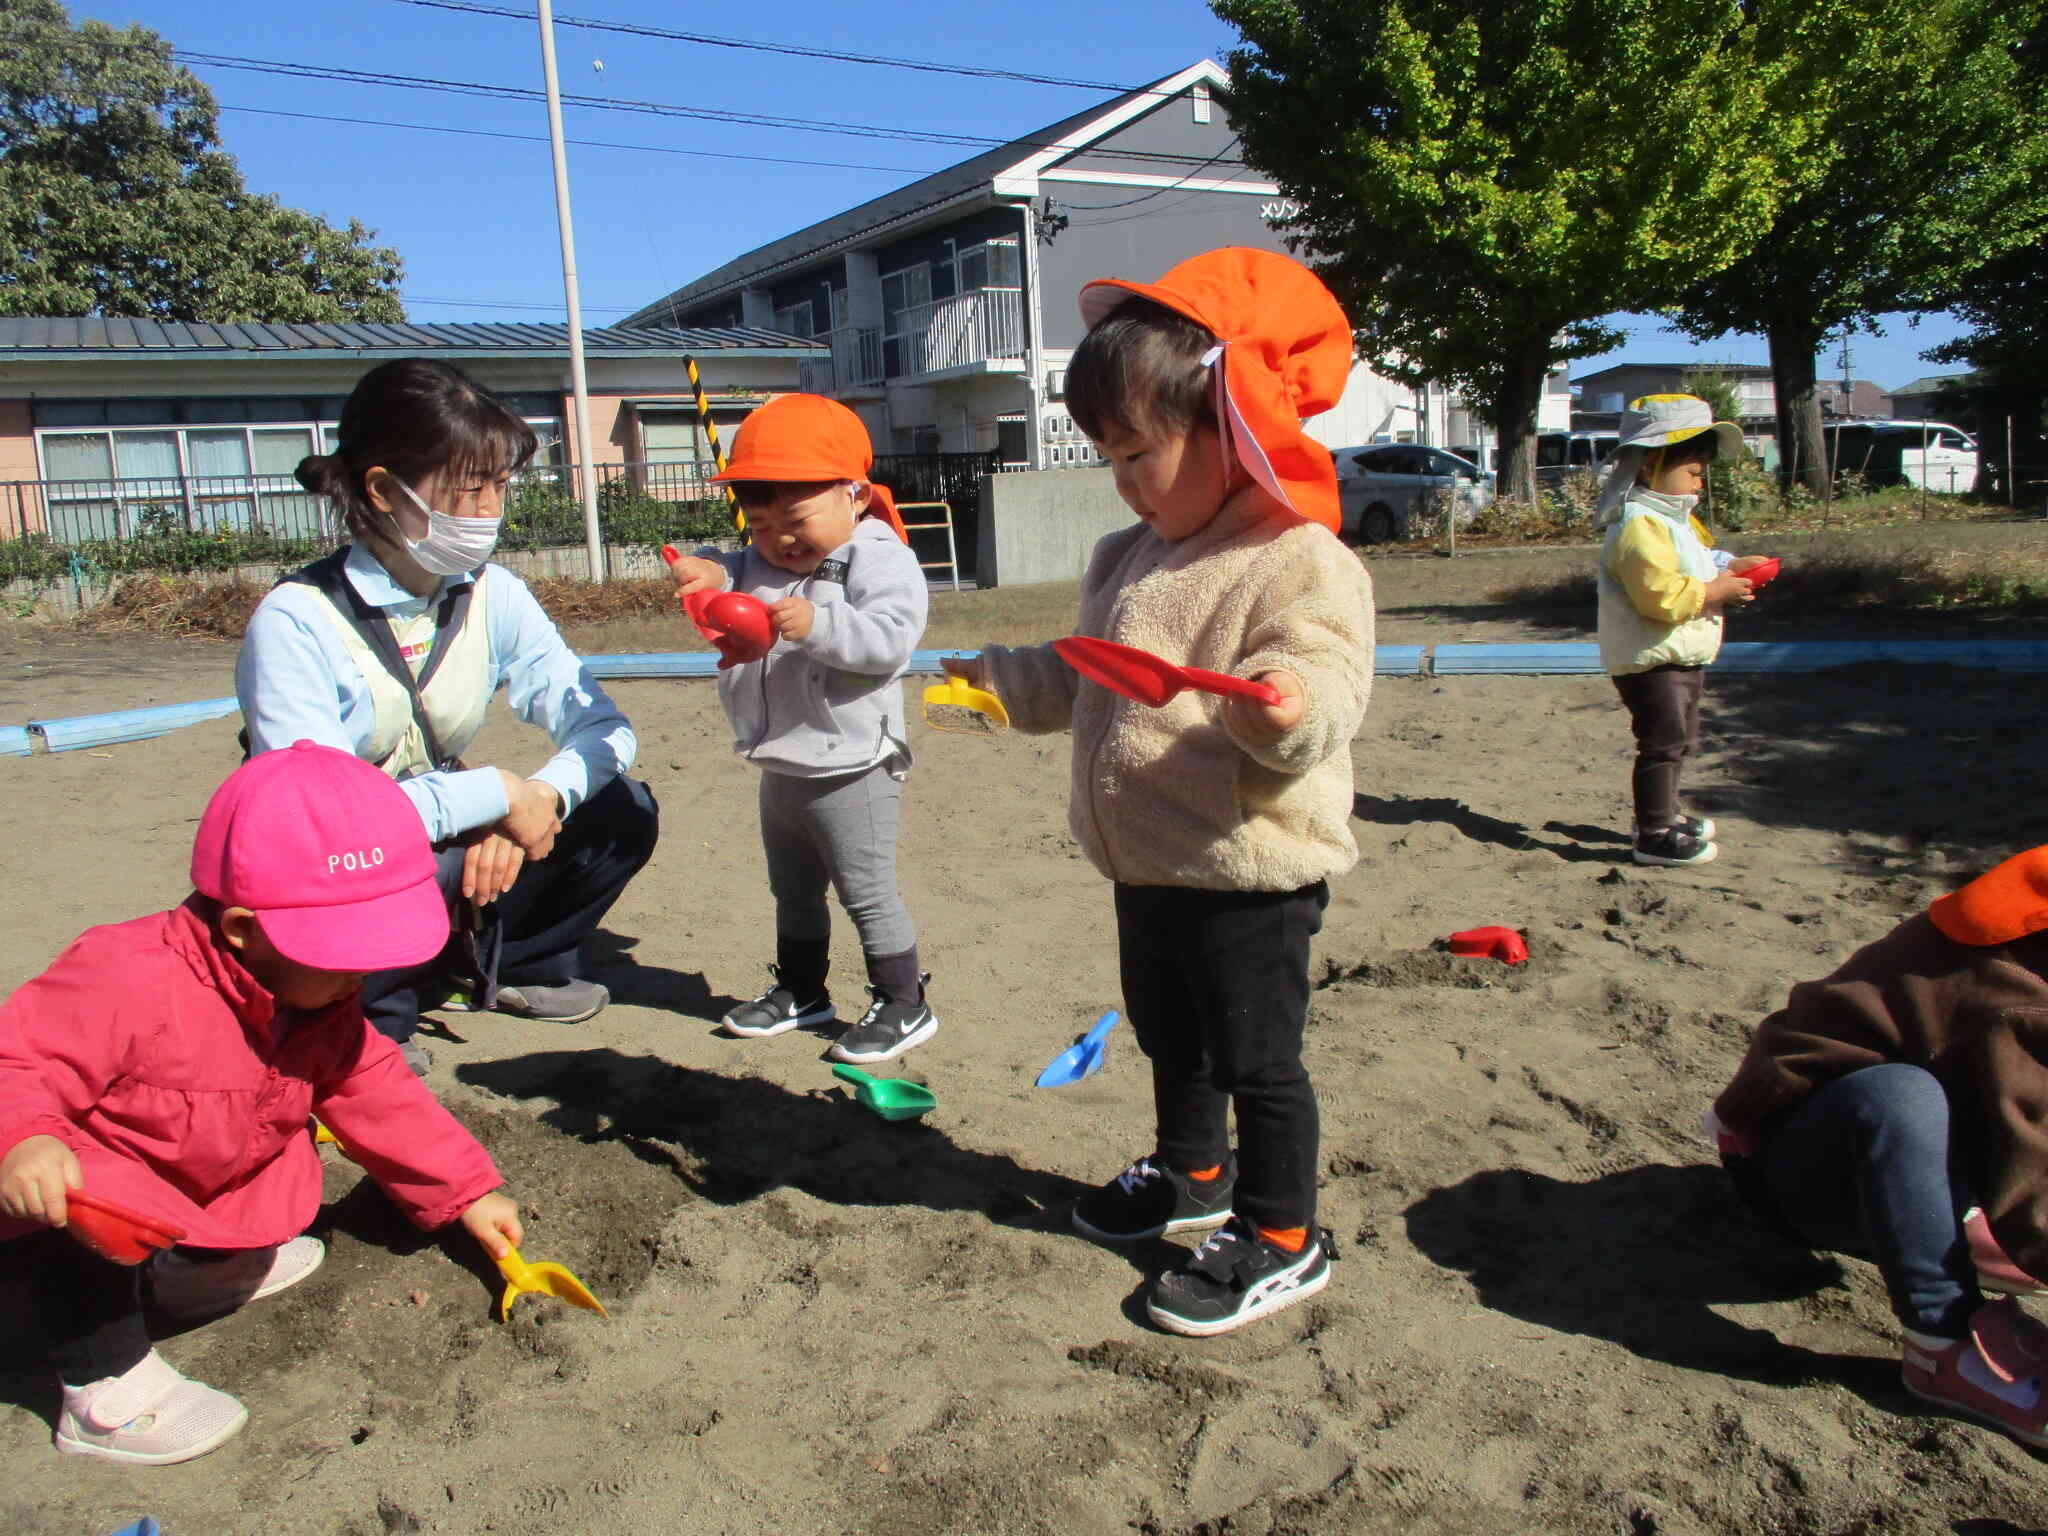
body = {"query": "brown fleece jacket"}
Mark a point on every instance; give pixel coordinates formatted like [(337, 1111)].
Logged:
[(1976, 1016), (1169, 796)]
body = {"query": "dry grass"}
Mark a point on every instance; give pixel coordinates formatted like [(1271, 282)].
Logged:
[(1865, 579), (619, 616), (180, 607)]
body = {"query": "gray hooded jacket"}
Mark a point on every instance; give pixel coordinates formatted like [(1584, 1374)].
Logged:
[(832, 702)]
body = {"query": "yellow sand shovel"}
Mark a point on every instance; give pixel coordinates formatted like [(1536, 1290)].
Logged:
[(957, 705), (522, 1278)]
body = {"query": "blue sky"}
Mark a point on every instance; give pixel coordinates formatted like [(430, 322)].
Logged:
[(474, 216)]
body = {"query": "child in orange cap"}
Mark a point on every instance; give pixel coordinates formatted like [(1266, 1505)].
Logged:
[(821, 714), (1220, 821), (1898, 1110)]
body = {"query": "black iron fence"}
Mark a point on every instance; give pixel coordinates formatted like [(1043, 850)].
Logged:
[(51, 528)]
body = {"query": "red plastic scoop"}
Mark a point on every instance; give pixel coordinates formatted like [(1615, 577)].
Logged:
[(1142, 676), (1761, 575), (1503, 944), (736, 624), (113, 1231)]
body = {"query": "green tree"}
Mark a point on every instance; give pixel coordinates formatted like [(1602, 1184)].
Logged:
[(116, 198), (1481, 180), (1940, 164), (2005, 396)]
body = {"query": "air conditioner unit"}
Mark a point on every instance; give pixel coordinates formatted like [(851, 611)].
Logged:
[(1055, 383)]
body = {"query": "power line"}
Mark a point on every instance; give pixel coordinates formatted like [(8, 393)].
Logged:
[(797, 50), (529, 94), (557, 305), (539, 138)]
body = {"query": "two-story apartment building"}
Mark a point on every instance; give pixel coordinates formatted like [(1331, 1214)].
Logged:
[(949, 305)]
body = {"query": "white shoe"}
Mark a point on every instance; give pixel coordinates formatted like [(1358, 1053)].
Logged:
[(188, 1289), (149, 1415)]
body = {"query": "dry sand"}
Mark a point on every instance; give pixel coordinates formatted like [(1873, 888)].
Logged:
[(1549, 1315)]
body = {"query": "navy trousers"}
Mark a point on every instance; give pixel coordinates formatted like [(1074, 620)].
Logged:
[(554, 905), (1865, 1167)]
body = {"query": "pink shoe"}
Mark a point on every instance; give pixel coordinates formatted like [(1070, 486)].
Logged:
[(1995, 1272), (148, 1416), (1993, 1374)]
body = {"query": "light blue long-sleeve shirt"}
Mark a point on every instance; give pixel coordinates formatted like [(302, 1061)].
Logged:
[(297, 680)]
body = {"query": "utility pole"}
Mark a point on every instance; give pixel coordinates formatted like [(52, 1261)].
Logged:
[(586, 452)]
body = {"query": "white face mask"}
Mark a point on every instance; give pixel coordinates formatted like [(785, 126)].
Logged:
[(454, 546)]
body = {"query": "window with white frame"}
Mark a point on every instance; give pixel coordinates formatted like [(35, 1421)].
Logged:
[(202, 463), (795, 320)]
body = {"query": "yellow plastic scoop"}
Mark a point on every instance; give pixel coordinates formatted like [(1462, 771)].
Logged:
[(522, 1278), (957, 705)]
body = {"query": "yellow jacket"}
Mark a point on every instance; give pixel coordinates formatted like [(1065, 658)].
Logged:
[(1654, 569)]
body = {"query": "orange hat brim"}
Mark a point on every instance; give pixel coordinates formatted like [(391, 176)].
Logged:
[(2006, 903)]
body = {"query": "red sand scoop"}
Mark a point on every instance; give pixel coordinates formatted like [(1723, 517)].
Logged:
[(1142, 676), (736, 624), (1503, 944), (115, 1232)]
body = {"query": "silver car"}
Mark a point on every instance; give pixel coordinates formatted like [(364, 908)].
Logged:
[(1382, 489)]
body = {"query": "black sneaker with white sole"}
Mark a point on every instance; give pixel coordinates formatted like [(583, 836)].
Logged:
[(776, 1012), (1701, 827), (885, 1031), (1673, 846), (1149, 1199), (1237, 1277)]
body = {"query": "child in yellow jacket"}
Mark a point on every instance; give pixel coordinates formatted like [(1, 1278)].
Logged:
[(1663, 589)]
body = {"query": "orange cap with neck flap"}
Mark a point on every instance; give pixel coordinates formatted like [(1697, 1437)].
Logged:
[(2005, 903)]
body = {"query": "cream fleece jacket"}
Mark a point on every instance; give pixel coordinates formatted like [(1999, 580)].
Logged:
[(1169, 796)]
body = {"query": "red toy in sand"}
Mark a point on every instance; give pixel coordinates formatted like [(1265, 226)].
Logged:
[(738, 625), (1503, 944), (113, 1231)]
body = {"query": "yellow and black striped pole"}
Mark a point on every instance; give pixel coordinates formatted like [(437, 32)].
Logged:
[(739, 518)]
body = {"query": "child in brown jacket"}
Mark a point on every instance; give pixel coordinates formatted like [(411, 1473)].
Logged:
[(1219, 820), (1898, 1110)]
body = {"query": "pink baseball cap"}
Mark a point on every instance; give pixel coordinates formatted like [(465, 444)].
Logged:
[(329, 854)]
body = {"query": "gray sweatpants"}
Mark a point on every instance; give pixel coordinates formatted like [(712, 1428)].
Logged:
[(838, 832)]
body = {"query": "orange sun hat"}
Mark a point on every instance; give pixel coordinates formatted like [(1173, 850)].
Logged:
[(1286, 350), (802, 438), (2008, 902)]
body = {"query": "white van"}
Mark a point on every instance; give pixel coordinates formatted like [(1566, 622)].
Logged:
[(1928, 455)]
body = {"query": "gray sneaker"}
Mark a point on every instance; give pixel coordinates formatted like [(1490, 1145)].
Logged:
[(568, 1002)]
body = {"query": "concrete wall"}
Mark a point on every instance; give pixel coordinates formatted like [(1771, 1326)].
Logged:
[(1042, 525)]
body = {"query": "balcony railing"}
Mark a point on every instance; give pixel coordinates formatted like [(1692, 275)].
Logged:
[(856, 361), (984, 326)]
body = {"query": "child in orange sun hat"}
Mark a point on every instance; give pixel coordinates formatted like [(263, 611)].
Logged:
[(1898, 1110), (821, 714), (1220, 822)]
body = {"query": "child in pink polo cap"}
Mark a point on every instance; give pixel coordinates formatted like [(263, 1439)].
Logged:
[(170, 1065)]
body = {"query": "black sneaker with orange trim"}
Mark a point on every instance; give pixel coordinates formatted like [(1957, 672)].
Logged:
[(1149, 1199), (1237, 1277)]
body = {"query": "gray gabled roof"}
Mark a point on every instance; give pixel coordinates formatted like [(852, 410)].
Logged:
[(1932, 384), (28, 338), (941, 187)]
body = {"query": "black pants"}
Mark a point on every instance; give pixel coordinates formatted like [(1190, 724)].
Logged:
[(87, 1309), (1216, 987), (554, 905), (1664, 710)]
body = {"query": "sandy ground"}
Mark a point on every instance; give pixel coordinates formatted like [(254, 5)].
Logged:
[(1549, 1314)]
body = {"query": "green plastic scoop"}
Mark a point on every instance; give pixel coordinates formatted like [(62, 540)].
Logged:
[(893, 1098)]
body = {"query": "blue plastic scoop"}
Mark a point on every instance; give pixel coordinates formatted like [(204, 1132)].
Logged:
[(1081, 1058)]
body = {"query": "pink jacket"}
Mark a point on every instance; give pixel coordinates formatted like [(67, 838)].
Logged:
[(184, 1090)]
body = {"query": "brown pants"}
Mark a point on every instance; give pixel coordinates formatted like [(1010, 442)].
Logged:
[(1664, 710)]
